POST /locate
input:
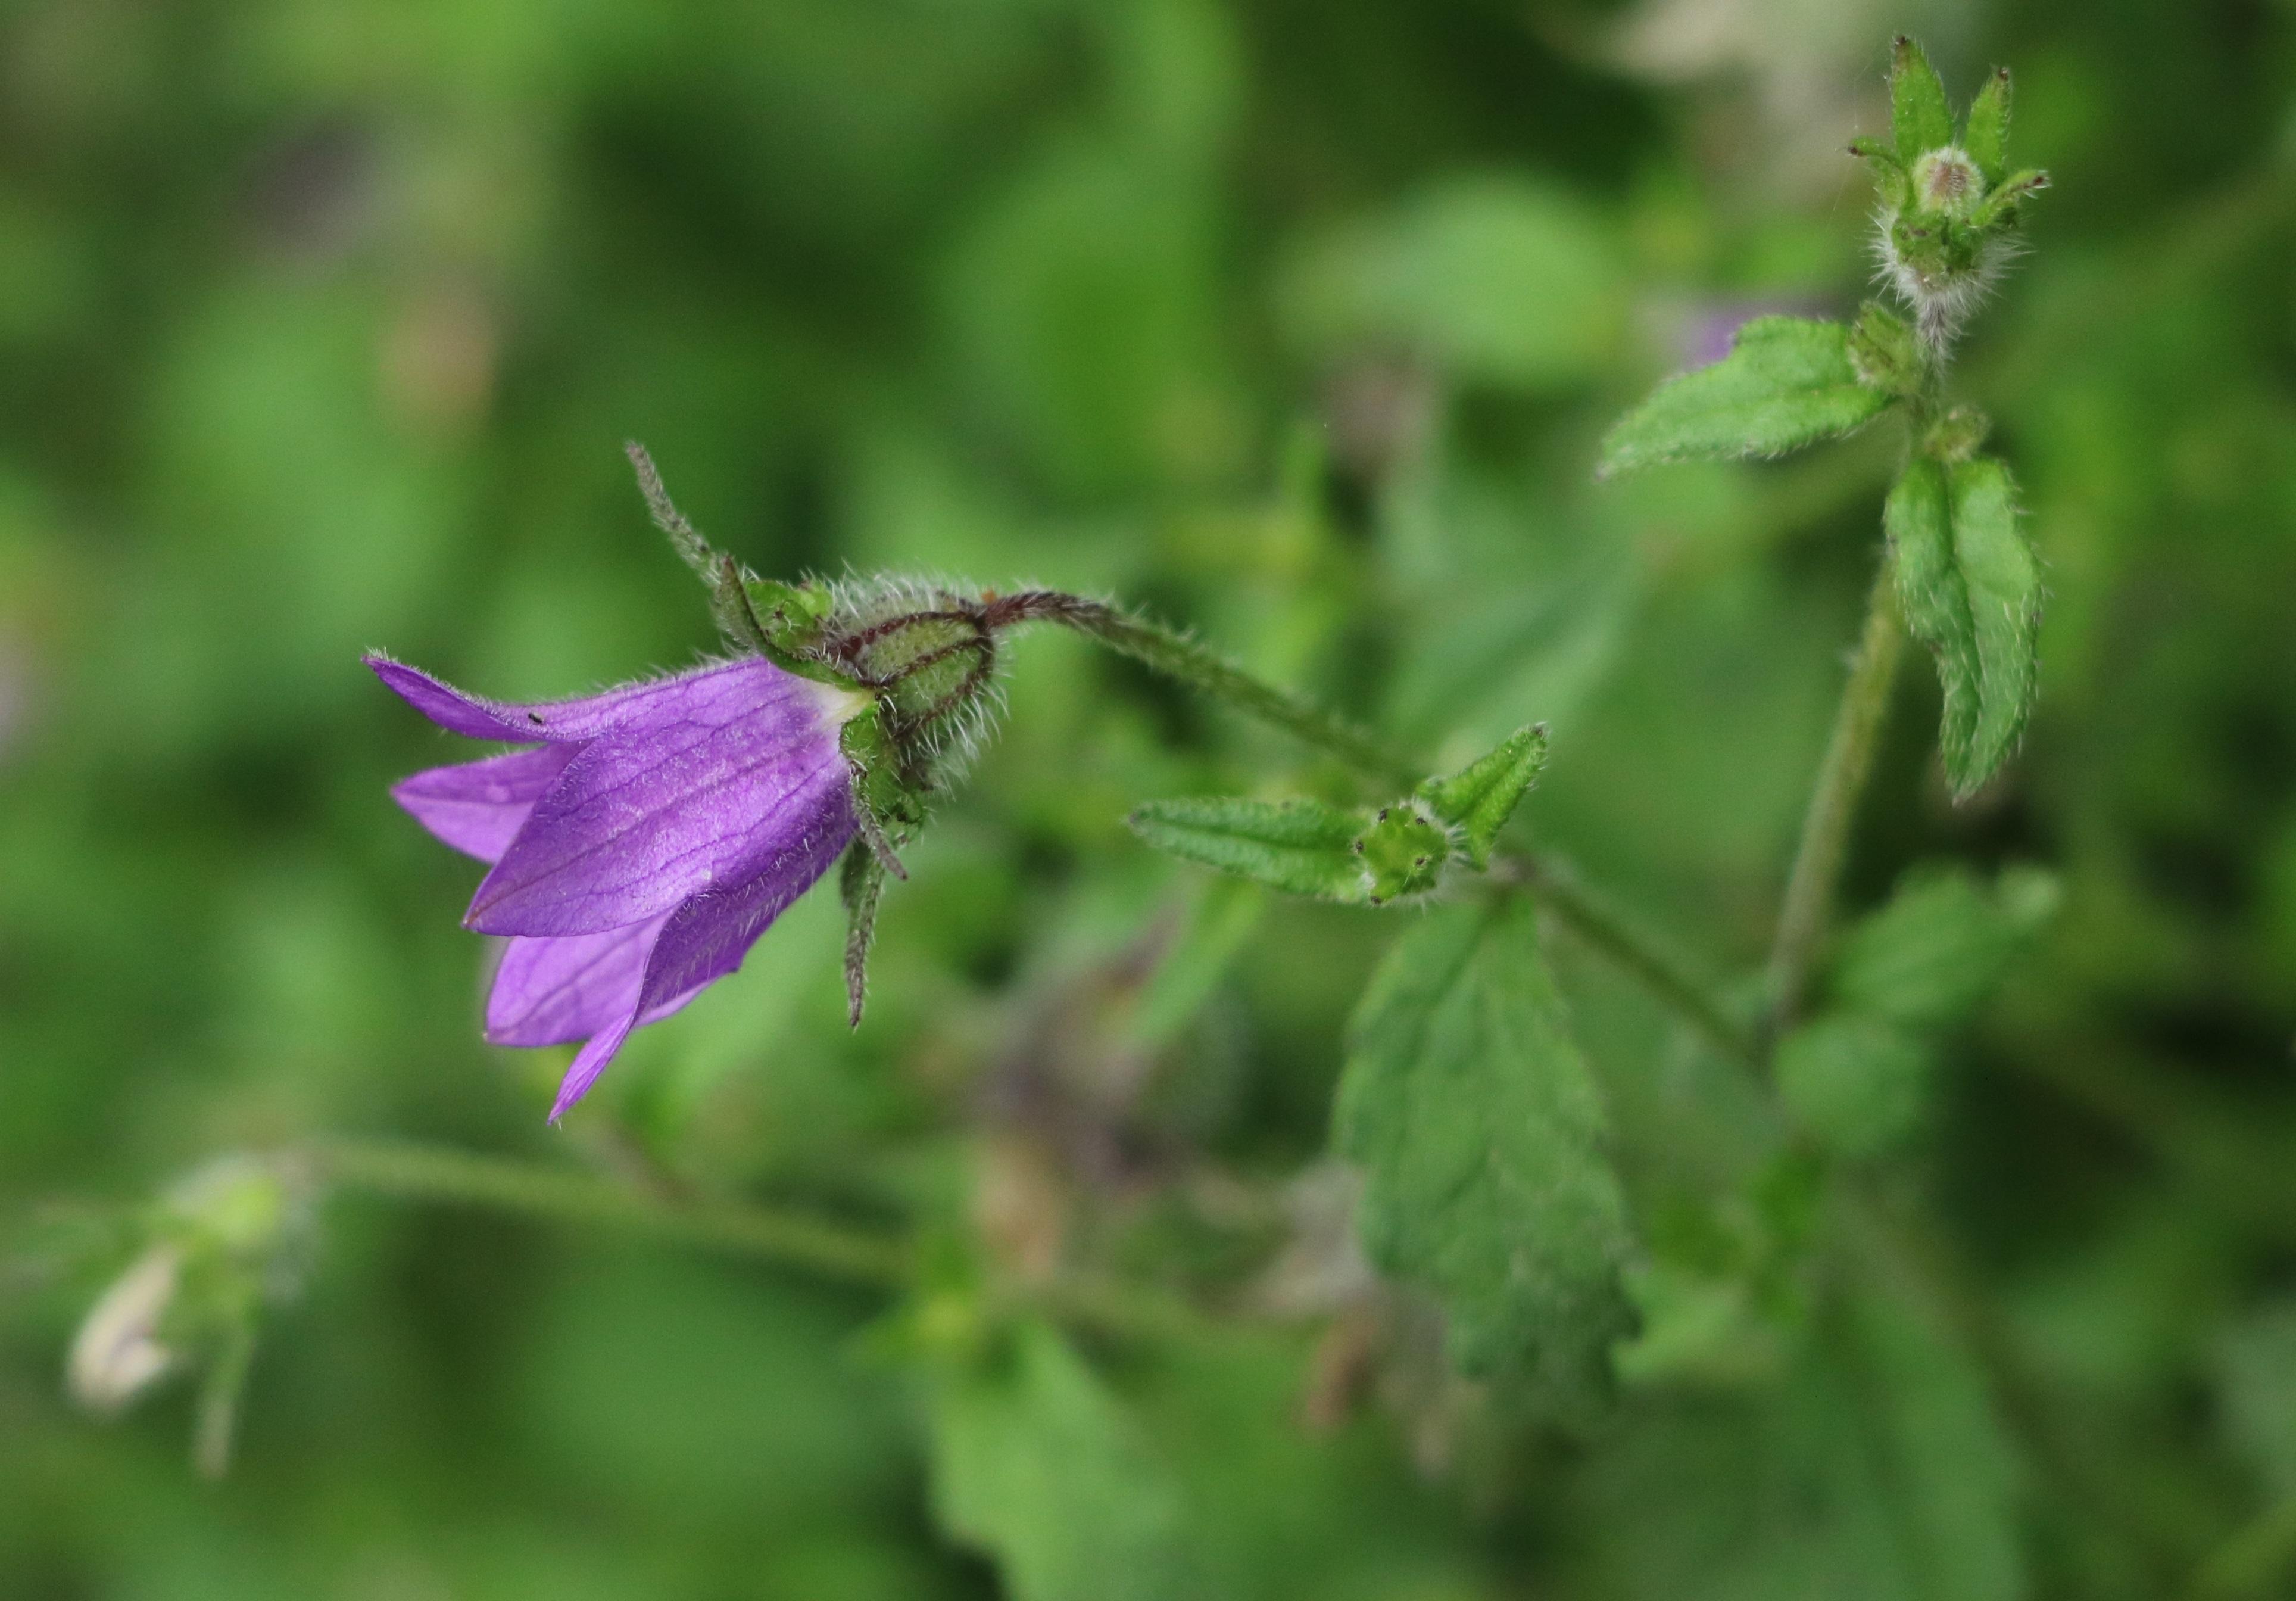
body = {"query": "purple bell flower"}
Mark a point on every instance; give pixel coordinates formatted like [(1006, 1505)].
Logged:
[(639, 849)]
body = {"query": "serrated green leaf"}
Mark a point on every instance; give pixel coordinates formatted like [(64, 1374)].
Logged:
[(1480, 797), (1859, 1085), (1788, 381), (1037, 1464), (1919, 118), (1971, 589), (1873, 1470), (1303, 847), (1986, 135), (1481, 1135), (1929, 957)]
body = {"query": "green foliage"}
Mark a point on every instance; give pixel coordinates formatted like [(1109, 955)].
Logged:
[(1935, 950), (1872, 1470), (1301, 847), (1786, 382), (1481, 1135), (1858, 1085), (1970, 588), (1919, 118), (1478, 799), (1035, 1463), (1986, 134)]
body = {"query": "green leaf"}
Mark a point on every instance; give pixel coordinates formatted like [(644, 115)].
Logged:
[(1479, 1132), (1304, 847), (1036, 1465), (1986, 135), (1970, 588), (1873, 1471), (2256, 1375), (1860, 1084), (1788, 381), (1478, 799), (1919, 117), (1929, 957)]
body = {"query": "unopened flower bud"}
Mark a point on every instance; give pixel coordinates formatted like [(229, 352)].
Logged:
[(118, 1353)]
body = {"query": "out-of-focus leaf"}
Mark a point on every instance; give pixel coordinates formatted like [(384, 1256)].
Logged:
[(1859, 1084), (1037, 1464), (1479, 799), (1788, 381), (1872, 1471), (1494, 280), (1971, 589), (1480, 1136), (2257, 1382), (1926, 959), (1301, 846), (1215, 928), (1919, 117)]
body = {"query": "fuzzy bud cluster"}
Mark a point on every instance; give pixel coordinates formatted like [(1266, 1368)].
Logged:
[(1947, 226)]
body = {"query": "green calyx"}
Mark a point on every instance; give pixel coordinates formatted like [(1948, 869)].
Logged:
[(1403, 851)]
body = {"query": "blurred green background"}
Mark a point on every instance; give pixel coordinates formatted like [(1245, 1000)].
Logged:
[(322, 322)]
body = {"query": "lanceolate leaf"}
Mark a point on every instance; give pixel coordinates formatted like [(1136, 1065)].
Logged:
[(1302, 846), (1788, 381), (1971, 589), (1037, 1464), (1478, 799), (1480, 1136)]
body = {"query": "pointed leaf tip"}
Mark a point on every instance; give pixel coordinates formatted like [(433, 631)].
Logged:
[(1919, 117), (1480, 799), (1985, 136)]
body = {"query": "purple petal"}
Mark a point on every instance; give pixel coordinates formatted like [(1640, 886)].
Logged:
[(474, 717), (707, 938), (549, 991), (589, 1061), (711, 782), (478, 806)]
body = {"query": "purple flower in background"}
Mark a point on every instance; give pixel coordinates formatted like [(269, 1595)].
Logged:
[(639, 849)]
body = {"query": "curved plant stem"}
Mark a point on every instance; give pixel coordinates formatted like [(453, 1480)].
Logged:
[(1834, 806)]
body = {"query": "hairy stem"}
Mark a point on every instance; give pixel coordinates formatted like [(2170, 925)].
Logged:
[(1833, 805), (1189, 662)]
